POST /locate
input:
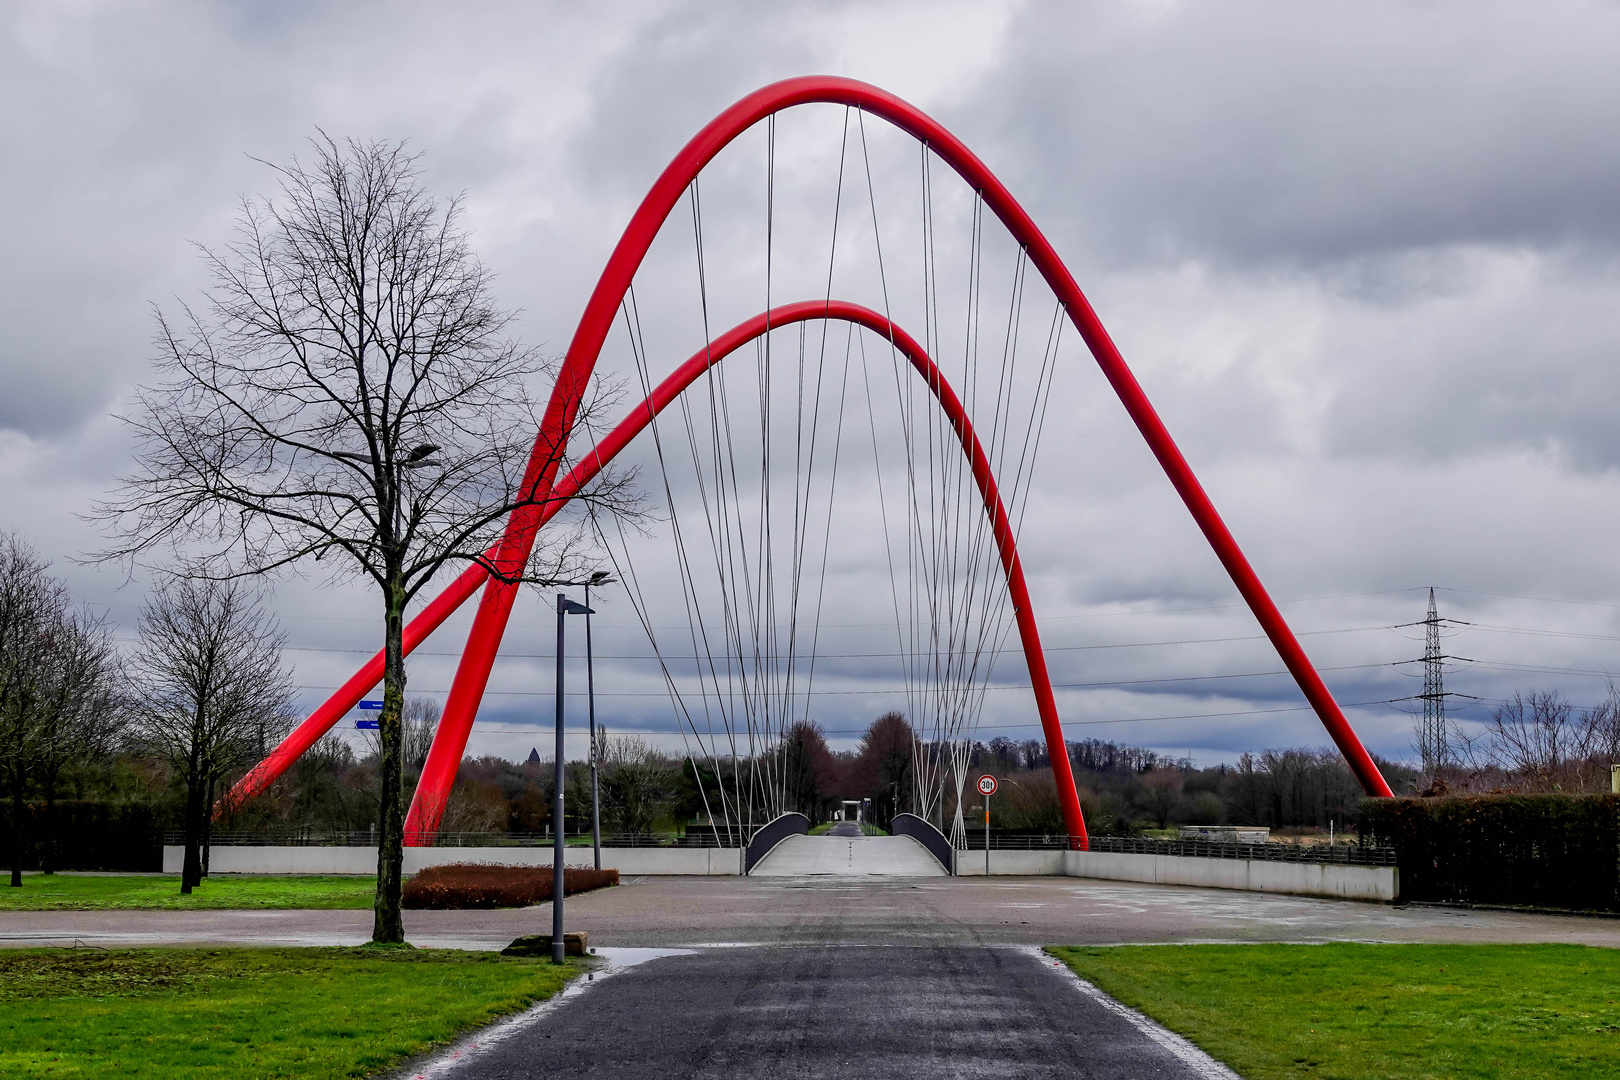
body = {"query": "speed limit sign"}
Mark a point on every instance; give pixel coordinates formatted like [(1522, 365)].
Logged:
[(987, 785)]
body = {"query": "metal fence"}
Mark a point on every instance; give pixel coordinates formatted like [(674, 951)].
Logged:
[(321, 838), (1348, 854)]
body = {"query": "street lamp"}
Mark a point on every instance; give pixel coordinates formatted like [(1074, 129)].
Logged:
[(565, 608), (601, 577)]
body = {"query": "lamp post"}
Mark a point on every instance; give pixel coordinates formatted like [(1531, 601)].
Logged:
[(565, 608), (599, 578)]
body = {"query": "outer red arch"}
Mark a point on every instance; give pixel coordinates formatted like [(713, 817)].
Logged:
[(490, 624), (598, 317)]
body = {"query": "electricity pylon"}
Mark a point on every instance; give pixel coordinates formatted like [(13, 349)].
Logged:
[(1433, 743)]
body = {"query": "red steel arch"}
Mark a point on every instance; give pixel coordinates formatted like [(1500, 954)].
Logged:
[(496, 604), (513, 550)]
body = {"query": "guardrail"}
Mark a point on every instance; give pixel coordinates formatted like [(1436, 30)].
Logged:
[(923, 831), (772, 833), (1343, 854), (319, 838)]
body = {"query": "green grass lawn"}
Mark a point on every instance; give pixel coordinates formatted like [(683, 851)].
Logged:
[(238, 1013), (68, 892), (1390, 1012)]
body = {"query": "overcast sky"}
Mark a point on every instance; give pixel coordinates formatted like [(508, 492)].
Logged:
[(1362, 256)]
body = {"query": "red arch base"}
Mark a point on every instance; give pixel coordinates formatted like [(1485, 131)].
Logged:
[(512, 553)]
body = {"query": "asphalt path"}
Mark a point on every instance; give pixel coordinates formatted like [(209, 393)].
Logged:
[(899, 1012), (684, 911)]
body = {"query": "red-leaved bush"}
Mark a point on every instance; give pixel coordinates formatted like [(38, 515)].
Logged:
[(478, 885)]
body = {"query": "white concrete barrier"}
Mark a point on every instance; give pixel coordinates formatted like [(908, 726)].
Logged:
[(363, 860), (1337, 880), (1016, 863), (1378, 883)]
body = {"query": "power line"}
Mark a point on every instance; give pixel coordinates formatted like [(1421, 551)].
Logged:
[(872, 655), (1539, 599), (1006, 727)]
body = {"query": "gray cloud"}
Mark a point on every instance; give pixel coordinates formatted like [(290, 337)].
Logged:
[(1292, 135)]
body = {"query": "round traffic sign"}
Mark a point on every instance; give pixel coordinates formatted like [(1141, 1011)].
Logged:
[(987, 785)]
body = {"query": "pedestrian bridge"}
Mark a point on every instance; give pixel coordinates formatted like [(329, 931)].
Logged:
[(846, 853)]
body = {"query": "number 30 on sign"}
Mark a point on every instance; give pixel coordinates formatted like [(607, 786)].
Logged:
[(987, 785)]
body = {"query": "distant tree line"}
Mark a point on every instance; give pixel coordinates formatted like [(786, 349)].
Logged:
[(102, 750), (202, 695)]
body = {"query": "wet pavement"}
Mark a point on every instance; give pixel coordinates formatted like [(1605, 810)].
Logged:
[(683, 911)]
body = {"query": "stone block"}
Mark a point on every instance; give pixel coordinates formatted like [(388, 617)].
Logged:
[(574, 944)]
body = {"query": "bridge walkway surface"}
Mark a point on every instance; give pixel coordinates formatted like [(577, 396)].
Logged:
[(848, 856)]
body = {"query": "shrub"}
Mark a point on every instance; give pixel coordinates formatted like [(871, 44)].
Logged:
[(1545, 850), (480, 885)]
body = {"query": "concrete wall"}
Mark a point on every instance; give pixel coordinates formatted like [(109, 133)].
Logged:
[(363, 860), (1018, 863), (1379, 883)]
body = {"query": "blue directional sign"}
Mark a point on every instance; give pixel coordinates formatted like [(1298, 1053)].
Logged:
[(363, 724), (369, 706)]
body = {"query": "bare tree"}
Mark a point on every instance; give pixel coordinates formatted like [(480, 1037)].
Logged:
[(81, 715), (637, 782), (1161, 793), (210, 688), (1535, 736), (349, 388), (1600, 735), (1542, 742), (417, 728), (56, 685)]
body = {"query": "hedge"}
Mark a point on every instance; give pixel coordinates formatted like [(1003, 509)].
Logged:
[(459, 886), (90, 835), (1556, 851)]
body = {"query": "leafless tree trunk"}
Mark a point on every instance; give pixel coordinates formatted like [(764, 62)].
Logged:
[(207, 675), (349, 390)]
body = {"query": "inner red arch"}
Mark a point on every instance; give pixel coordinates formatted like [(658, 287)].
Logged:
[(427, 808), (450, 741)]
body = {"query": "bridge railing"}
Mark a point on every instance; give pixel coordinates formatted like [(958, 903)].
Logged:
[(772, 833), (1347, 854), (331, 838), (923, 831)]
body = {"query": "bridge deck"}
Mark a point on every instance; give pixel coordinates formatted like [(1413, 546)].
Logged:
[(849, 856)]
